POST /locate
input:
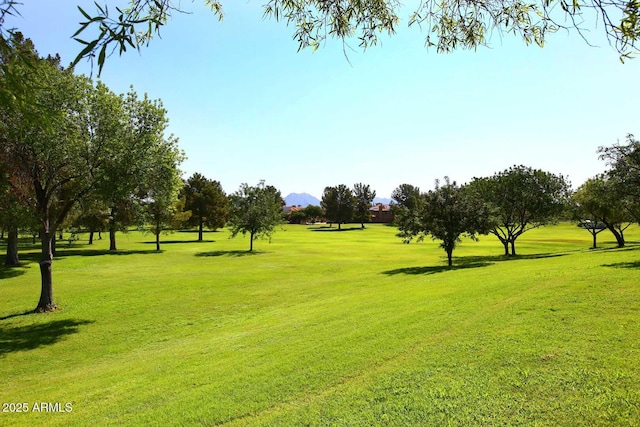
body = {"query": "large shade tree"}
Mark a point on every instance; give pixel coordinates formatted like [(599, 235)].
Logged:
[(600, 202), (256, 211), (207, 202), (364, 196), (338, 204), (446, 214), (521, 198), (407, 206), (624, 172), (142, 125), (163, 207), (56, 147)]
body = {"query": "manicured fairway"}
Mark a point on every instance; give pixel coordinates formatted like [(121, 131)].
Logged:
[(325, 328)]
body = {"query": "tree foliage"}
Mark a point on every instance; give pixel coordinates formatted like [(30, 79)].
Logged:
[(448, 25), (159, 191), (599, 201), (71, 140), (624, 172), (338, 204), (364, 196), (520, 199), (207, 202), (407, 210), (445, 213), (256, 211), (55, 147)]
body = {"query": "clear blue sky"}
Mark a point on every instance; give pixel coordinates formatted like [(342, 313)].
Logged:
[(246, 106)]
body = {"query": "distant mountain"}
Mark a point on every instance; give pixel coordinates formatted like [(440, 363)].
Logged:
[(381, 200), (301, 199)]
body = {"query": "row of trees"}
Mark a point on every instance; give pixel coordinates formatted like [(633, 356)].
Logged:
[(519, 199), (506, 205), (342, 205)]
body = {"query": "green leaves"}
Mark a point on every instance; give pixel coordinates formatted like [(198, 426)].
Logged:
[(255, 210)]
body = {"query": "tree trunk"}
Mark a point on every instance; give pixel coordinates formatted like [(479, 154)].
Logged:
[(158, 242), (91, 237), (506, 247), (53, 244), (619, 236), (112, 239), (513, 247), (46, 292), (251, 242), (12, 247), (449, 257), (200, 225), (594, 239), (339, 225)]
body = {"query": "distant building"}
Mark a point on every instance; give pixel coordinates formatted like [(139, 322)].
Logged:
[(381, 212)]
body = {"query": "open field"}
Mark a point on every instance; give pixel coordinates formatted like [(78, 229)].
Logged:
[(327, 328)]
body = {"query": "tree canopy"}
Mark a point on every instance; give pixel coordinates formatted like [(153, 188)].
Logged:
[(255, 210), (338, 203), (521, 198), (445, 213), (207, 202)]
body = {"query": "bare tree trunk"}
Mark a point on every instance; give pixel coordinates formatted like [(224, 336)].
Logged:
[(112, 239), (449, 257), (251, 242), (91, 237), (513, 248), (12, 247), (200, 225), (619, 236), (46, 292)]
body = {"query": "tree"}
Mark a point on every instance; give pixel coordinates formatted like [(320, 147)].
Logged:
[(159, 192), (407, 210), (338, 203), (55, 148), (142, 125), (521, 199), (207, 202), (624, 172), (363, 199), (92, 215), (447, 213), (314, 213), (600, 203), (61, 144), (448, 25), (256, 211)]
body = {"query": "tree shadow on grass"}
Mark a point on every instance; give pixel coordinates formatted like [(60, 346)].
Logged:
[(334, 229), (62, 253), (460, 263), (30, 337), (228, 253), (169, 242), (9, 271), (434, 269), (632, 265)]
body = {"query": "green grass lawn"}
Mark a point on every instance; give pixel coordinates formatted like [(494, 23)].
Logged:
[(327, 328)]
